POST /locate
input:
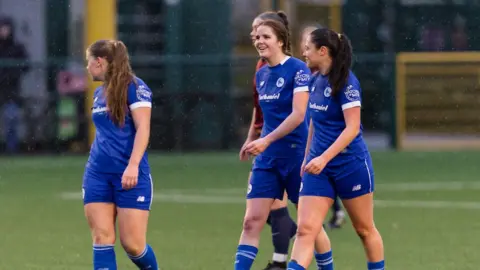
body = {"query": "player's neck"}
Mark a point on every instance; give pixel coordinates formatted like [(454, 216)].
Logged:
[(276, 59), (325, 68)]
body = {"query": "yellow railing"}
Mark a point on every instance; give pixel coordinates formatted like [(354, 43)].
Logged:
[(437, 100)]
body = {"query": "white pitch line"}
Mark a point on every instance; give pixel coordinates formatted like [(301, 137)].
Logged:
[(175, 198), (428, 186), (209, 199), (428, 204), (399, 187)]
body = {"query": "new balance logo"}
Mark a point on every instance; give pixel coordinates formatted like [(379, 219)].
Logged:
[(357, 188), (141, 199)]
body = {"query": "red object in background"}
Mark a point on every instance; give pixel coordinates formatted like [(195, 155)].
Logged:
[(69, 82), (258, 124)]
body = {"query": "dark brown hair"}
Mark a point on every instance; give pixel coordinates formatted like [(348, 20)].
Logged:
[(282, 34), (340, 50), (279, 17), (119, 75)]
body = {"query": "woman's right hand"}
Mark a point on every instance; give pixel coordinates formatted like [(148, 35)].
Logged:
[(302, 170), (244, 155)]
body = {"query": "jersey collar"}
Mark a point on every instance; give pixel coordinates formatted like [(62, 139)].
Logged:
[(285, 60)]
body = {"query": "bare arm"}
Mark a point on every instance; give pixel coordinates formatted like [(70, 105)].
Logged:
[(251, 131), (309, 139), (352, 121), (141, 118)]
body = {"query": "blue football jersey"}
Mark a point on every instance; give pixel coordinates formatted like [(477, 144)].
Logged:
[(326, 112), (113, 144), (276, 86)]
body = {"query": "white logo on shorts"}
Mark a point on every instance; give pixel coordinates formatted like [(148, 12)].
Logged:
[(141, 199), (301, 186), (249, 188), (83, 193), (357, 188)]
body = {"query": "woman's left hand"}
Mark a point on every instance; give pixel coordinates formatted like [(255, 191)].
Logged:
[(316, 165), (130, 177), (257, 147)]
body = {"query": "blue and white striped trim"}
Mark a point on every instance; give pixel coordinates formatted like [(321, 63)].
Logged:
[(139, 256), (324, 262), (140, 104), (248, 254), (100, 247), (369, 177), (351, 105), (300, 89)]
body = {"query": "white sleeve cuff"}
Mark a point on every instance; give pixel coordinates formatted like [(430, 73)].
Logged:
[(351, 105), (140, 104), (300, 89)]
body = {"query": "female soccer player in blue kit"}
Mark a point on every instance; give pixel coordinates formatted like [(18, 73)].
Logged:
[(338, 216), (283, 228), (117, 185), (337, 161), (283, 94)]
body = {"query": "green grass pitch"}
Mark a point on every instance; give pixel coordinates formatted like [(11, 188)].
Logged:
[(427, 210)]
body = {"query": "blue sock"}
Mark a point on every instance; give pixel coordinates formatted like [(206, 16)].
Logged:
[(293, 265), (282, 228), (376, 265), (245, 257), (146, 260), (104, 257), (324, 260)]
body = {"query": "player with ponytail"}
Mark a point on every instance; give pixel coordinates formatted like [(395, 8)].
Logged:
[(338, 216), (117, 185), (337, 160)]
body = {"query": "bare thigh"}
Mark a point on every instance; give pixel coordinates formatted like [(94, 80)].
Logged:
[(132, 227), (101, 220)]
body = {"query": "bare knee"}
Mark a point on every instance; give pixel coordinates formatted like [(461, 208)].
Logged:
[(252, 224), (307, 230), (132, 247), (365, 231), (102, 236), (133, 243)]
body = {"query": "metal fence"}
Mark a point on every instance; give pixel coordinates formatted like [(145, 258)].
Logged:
[(200, 102)]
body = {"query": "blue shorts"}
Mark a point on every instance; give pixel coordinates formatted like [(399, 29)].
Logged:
[(352, 179), (272, 176), (107, 188)]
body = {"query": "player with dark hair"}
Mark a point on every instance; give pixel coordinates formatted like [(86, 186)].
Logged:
[(337, 160), (117, 185), (338, 216), (283, 228), (283, 94)]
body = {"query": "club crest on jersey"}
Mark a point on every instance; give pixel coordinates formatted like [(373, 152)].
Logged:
[(327, 92), (352, 94), (280, 82)]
